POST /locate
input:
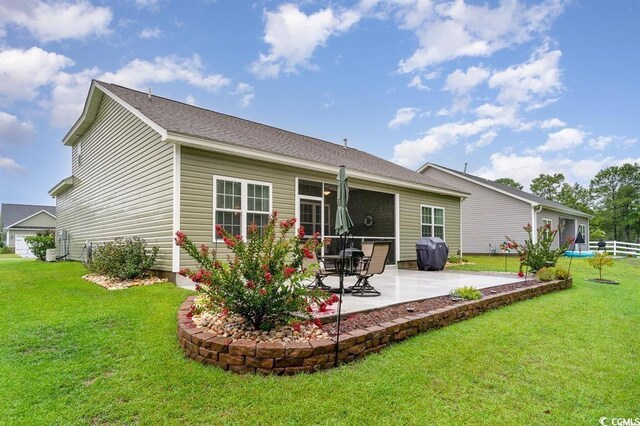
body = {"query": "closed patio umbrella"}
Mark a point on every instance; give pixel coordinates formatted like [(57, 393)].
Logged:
[(343, 226)]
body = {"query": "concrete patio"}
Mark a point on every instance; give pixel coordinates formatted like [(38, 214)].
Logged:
[(401, 285)]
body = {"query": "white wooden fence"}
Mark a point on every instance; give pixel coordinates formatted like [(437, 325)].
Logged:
[(618, 248)]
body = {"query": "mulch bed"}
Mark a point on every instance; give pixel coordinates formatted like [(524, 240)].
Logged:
[(113, 284), (362, 320)]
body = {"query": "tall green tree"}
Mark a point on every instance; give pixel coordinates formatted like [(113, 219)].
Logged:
[(509, 182), (547, 186), (616, 192), (575, 196)]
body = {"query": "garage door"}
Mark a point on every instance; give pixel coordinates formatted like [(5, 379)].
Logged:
[(22, 249)]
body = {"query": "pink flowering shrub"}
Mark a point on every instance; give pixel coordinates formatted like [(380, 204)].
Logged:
[(539, 254), (262, 280)]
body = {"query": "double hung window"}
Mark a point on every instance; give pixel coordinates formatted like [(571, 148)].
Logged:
[(239, 203), (432, 221)]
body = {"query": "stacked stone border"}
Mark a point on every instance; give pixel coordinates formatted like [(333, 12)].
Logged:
[(248, 356)]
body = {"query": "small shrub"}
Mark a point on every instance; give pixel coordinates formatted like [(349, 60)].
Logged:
[(562, 273), (40, 243), (467, 292), (123, 259), (7, 250), (599, 261), (546, 274), (457, 259)]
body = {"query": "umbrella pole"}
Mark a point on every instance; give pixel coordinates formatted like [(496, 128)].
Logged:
[(570, 259), (342, 250)]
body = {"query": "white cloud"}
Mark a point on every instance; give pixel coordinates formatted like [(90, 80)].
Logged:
[(601, 142), (165, 69), (245, 91), (411, 152), (12, 130), (530, 81), (446, 31), (417, 83), (485, 140), (190, 99), (563, 140), (293, 36), (23, 72), (551, 123), (524, 168), (403, 116), (150, 33), (461, 82), (10, 165), (70, 89), (68, 96), (148, 4), (52, 21)]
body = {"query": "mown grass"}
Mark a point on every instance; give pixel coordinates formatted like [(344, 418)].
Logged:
[(74, 353)]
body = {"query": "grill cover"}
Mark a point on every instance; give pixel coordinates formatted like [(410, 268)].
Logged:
[(432, 253)]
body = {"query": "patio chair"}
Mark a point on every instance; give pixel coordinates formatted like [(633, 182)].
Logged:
[(323, 268), (493, 249), (369, 267)]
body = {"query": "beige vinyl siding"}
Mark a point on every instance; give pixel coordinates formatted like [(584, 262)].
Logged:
[(40, 220), (123, 187), (196, 205), (488, 215)]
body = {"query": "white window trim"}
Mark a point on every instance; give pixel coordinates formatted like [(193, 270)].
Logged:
[(584, 234), (444, 220), (243, 202)]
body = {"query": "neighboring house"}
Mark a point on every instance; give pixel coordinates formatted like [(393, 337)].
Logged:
[(494, 211), (149, 166), (18, 221)]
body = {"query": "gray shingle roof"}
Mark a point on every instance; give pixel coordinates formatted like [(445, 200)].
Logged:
[(517, 192), (177, 117), (13, 213)]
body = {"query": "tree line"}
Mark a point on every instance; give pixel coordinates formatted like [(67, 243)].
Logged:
[(612, 197)]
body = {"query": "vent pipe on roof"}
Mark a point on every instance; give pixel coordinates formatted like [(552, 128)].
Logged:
[(149, 94), (465, 168), (344, 141)]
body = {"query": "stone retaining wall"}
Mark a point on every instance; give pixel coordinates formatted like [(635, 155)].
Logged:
[(247, 356)]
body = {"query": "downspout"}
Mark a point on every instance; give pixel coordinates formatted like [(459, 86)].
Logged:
[(534, 222), (462, 199)]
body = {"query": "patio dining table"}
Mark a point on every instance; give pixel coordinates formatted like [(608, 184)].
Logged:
[(352, 257)]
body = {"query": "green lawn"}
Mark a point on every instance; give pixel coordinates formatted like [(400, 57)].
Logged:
[(74, 353)]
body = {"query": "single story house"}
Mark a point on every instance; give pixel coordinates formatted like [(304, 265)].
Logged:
[(150, 166), (494, 211), (18, 221)]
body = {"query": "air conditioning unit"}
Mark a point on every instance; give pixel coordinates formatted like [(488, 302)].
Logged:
[(51, 255)]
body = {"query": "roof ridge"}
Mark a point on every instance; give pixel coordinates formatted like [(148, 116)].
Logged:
[(235, 117)]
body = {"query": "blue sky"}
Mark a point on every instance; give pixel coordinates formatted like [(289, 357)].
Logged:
[(512, 88)]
